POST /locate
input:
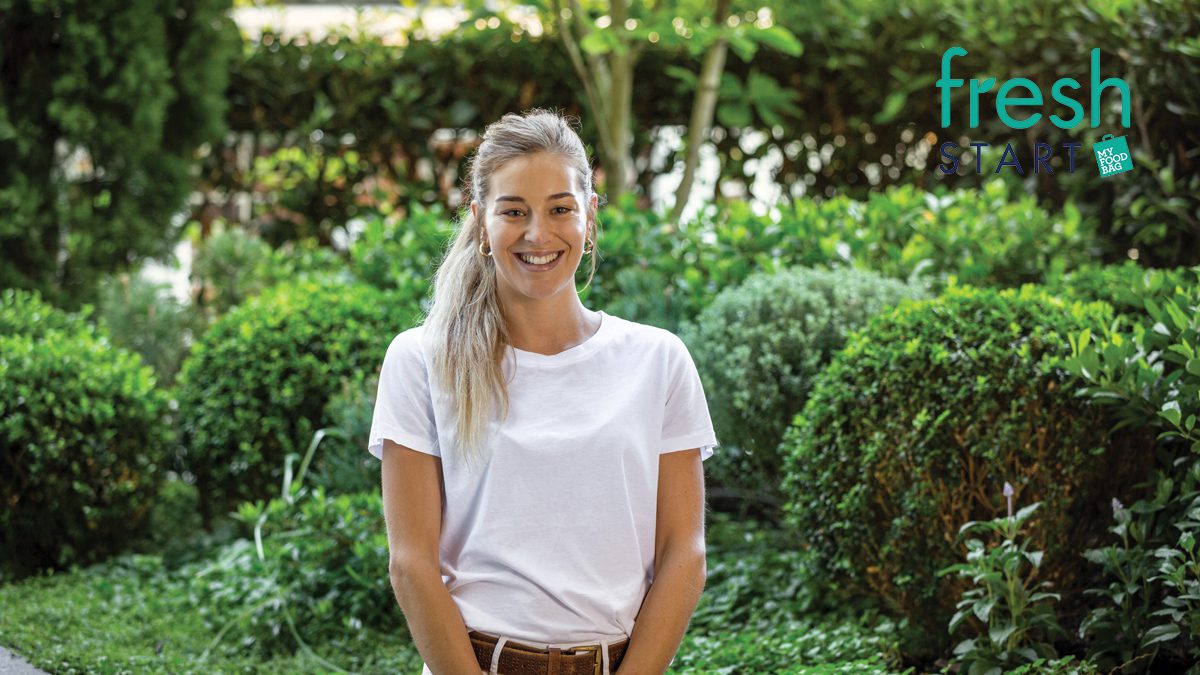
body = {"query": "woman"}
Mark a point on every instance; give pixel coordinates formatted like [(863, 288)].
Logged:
[(542, 480)]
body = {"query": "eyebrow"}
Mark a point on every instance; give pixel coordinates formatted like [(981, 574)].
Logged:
[(514, 198)]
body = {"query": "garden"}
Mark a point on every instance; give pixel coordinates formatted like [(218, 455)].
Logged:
[(958, 410)]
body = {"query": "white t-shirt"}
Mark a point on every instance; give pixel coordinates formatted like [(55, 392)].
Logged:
[(552, 542)]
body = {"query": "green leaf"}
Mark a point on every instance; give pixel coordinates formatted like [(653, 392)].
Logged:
[(891, 107), (1163, 633), (595, 42), (999, 634), (781, 39), (984, 609), (1170, 412)]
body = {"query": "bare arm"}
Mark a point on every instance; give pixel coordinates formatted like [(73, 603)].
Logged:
[(679, 566), (412, 501)]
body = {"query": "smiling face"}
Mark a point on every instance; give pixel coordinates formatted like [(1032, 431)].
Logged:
[(536, 222)]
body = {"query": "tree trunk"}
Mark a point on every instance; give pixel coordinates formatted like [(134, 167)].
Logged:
[(703, 107)]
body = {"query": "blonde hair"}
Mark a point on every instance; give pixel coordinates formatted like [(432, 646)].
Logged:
[(465, 313)]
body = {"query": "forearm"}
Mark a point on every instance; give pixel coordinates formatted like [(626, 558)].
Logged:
[(436, 625), (665, 613)]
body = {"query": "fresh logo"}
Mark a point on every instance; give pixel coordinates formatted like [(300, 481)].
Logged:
[(1112, 156), (1021, 92)]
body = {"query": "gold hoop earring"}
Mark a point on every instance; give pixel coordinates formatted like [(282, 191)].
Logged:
[(588, 250), (489, 252)]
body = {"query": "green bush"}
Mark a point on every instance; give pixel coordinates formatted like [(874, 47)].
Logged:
[(1148, 372), (255, 386), (1125, 286), (322, 575), (144, 316), (339, 464), (400, 252), (758, 347), (916, 423), (83, 437), (654, 271), (104, 105), (233, 265)]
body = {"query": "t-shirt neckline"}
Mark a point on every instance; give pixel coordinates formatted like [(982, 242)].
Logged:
[(579, 351)]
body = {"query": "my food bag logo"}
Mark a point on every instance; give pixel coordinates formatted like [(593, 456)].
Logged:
[(1112, 154)]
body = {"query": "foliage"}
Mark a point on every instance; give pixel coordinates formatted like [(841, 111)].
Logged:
[(854, 114), (652, 271), (341, 467), (758, 347), (1125, 286), (315, 570), (102, 106), (1119, 627), (925, 407), (83, 436), (136, 614), (1147, 369), (232, 265), (258, 381), (144, 317), (1018, 621), (400, 252)]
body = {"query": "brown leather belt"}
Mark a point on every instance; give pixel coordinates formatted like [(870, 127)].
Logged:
[(521, 659)]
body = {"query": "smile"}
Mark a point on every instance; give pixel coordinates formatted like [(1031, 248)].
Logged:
[(539, 263)]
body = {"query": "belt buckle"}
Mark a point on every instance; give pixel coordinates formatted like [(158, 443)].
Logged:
[(595, 659)]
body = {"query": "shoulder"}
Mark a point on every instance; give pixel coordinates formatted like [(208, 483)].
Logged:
[(650, 340), (409, 347)]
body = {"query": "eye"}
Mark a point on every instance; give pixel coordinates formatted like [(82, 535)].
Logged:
[(516, 211), (565, 209)]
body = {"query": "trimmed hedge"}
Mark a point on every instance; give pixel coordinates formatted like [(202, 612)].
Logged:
[(255, 386), (83, 437), (758, 347), (915, 426)]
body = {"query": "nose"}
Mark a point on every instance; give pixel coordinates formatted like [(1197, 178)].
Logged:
[(538, 228)]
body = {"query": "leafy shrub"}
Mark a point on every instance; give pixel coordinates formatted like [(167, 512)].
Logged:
[(104, 105), (401, 253), (314, 570), (654, 271), (258, 382), (925, 407), (233, 265), (1124, 286), (758, 347), (1148, 371), (143, 316), (83, 437), (1018, 623), (339, 464)]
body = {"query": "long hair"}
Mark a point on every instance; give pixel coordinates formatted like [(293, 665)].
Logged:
[(465, 316)]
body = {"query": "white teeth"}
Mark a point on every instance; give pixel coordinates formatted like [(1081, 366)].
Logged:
[(540, 261)]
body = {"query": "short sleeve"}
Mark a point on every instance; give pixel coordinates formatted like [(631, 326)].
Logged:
[(686, 420), (403, 402)]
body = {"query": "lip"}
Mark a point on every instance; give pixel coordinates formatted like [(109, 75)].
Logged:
[(538, 268)]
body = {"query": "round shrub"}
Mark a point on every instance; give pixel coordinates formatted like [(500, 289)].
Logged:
[(83, 435), (254, 388), (915, 426), (758, 347)]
